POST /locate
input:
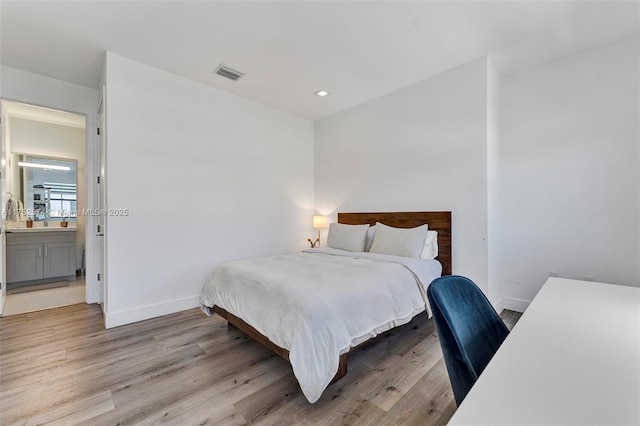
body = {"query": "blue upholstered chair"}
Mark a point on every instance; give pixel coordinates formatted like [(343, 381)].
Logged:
[(469, 329)]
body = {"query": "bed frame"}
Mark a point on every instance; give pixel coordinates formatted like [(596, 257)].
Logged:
[(437, 221)]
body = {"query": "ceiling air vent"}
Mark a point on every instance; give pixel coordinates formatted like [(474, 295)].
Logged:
[(228, 72)]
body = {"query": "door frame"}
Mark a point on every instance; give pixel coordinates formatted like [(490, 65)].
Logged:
[(90, 243), (4, 126), (101, 202)]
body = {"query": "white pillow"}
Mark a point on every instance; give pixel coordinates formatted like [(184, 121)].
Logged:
[(347, 237), (371, 232), (407, 242), (430, 250)]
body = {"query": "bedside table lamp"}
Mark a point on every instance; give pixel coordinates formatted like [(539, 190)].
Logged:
[(319, 222)]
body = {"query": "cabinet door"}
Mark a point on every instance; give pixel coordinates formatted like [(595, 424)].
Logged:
[(24, 262), (58, 260)]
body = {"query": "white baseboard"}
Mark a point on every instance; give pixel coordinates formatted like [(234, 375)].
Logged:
[(499, 305), (116, 319), (518, 305)]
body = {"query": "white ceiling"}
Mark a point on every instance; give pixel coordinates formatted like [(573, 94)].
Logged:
[(355, 50), (47, 115)]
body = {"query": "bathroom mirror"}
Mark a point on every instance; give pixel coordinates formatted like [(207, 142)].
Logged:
[(46, 187)]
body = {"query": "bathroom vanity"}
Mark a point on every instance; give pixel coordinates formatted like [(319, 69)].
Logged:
[(40, 255)]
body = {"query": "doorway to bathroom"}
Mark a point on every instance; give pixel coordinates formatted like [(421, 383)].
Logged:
[(44, 201)]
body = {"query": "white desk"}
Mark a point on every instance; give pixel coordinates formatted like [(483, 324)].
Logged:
[(573, 358)]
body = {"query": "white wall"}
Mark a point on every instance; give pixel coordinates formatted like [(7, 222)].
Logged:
[(35, 89), (493, 143), (55, 141), (421, 148), (206, 176), (568, 187), (209, 177)]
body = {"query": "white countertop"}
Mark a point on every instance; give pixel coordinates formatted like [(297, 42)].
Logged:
[(573, 358), (50, 228)]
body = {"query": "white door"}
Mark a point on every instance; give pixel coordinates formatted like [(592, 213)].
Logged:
[(101, 207), (3, 201)]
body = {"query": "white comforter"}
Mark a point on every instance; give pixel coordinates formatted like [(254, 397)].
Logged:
[(319, 303)]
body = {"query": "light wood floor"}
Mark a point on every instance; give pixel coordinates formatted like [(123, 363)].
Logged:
[(60, 366)]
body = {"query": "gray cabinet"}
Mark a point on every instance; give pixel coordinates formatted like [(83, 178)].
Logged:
[(58, 259), (40, 256), (24, 262)]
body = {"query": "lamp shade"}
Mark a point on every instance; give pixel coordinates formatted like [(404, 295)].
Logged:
[(320, 222)]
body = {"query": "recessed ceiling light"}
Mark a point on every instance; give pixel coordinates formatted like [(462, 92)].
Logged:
[(322, 93)]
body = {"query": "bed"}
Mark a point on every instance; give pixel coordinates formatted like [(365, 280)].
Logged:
[(315, 307)]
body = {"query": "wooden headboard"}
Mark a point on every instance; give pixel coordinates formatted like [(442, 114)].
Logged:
[(437, 221)]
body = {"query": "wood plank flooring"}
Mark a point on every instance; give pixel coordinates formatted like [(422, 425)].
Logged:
[(60, 366)]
